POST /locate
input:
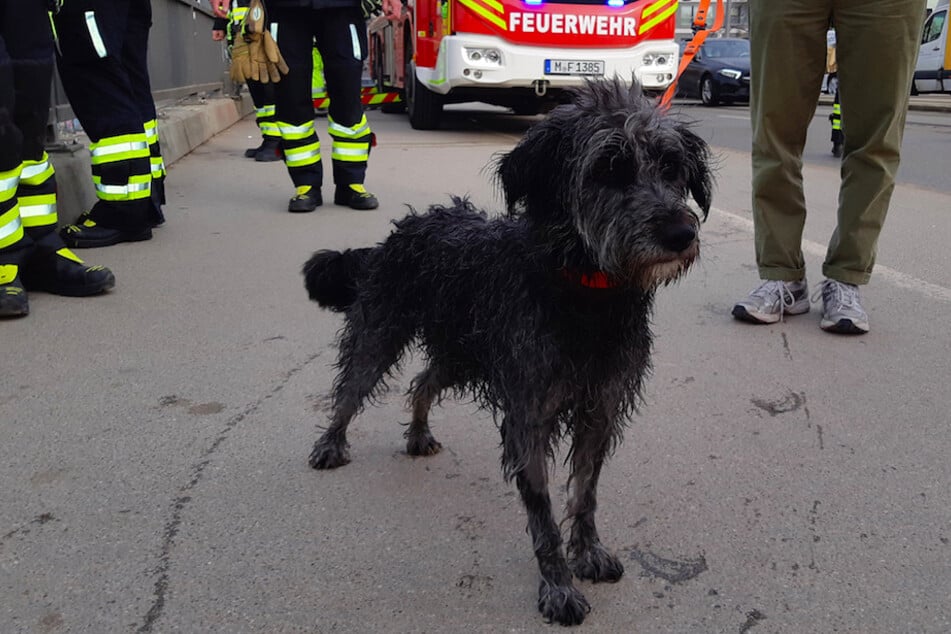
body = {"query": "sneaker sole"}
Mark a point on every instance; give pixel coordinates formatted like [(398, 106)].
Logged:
[(94, 244), (740, 313), (843, 327)]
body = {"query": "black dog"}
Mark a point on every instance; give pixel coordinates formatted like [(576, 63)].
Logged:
[(543, 315)]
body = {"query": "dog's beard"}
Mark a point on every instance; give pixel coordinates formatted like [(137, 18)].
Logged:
[(663, 272)]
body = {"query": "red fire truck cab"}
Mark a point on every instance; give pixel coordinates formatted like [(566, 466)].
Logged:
[(515, 53)]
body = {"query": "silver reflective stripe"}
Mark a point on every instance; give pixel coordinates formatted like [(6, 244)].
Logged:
[(352, 133), (296, 129), (116, 148), (123, 189), (10, 228), (357, 54), (94, 34), (34, 170), (6, 184), (274, 31), (32, 211)]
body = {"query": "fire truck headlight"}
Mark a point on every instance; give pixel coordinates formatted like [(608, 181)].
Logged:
[(648, 59), (661, 61), (483, 56)]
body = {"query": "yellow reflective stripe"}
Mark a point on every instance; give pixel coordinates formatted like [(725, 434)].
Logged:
[(305, 155), (8, 183), (138, 187), (294, 132), (238, 13), (360, 129), (269, 128), (32, 169), (151, 131), (38, 215), (666, 13), (94, 34), (266, 111), (350, 152), (485, 13), (120, 148), (11, 229), (158, 166)]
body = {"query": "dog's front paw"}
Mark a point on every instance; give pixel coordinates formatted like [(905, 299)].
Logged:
[(597, 564), (422, 444), (562, 604), (329, 454)]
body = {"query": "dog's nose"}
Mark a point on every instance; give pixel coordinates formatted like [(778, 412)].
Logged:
[(678, 237)]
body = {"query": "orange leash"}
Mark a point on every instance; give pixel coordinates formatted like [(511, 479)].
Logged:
[(699, 35)]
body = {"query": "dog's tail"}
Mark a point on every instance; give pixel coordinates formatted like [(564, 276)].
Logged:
[(332, 277)]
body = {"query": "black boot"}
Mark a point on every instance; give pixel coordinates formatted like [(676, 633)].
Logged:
[(252, 152), (307, 199), (355, 196), (270, 150), (89, 235), (13, 301), (63, 273)]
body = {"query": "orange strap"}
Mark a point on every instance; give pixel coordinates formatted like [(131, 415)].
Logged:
[(699, 35)]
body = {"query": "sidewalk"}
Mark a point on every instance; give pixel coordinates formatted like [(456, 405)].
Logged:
[(917, 103), (183, 125)]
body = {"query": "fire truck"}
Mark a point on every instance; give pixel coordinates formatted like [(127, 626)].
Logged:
[(519, 54)]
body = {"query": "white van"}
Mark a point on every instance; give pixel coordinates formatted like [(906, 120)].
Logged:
[(933, 70)]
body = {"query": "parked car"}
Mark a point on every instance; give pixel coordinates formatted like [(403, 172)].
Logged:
[(718, 73), (933, 69)]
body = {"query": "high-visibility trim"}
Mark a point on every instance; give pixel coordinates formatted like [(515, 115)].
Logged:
[(355, 43), (11, 229), (266, 111), (9, 181), (351, 152), (38, 211), (269, 128), (486, 13), (304, 155), (94, 34), (36, 172), (158, 166), (238, 13), (660, 17), (296, 132), (138, 187), (120, 148), (151, 131), (360, 129)]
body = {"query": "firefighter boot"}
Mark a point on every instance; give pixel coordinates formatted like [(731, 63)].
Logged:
[(89, 235), (63, 273), (270, 150), (13, 301), (252, 152), (355, 196), (306, 199)]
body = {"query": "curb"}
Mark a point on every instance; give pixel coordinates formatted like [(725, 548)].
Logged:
[(917, 103), (182, 127)]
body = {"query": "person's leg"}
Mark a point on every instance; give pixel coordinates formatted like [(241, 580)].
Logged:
[(295, 109), (783, 99), (342, 43), (262, 96), (102, 97), (783, 102), (878, 46)]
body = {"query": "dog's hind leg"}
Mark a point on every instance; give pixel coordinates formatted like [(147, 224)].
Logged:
[(367, 352), (588, 558), (525, 453), (425, 390)]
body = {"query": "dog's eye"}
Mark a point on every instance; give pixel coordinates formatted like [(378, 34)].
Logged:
[(670, 168)]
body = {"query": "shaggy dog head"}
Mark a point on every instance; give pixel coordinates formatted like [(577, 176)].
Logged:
[(605, 179)]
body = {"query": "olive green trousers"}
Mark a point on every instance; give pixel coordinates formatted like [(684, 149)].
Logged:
[(876, 48)]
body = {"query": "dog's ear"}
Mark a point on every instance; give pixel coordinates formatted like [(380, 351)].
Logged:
[(699, 176), (529, 168)]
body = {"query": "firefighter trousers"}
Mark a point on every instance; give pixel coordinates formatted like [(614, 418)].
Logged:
[(877, 45), (341, 38), (27, 181), (102, 59)]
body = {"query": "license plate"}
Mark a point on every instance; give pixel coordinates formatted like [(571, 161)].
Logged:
[(574, 67)]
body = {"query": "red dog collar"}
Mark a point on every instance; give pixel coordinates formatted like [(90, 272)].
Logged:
[(590, 280)]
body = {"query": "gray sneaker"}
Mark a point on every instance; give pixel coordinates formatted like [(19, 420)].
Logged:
[(841, 310), (771, 300)]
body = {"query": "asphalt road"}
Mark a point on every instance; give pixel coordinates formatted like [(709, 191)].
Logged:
[(155, 440)]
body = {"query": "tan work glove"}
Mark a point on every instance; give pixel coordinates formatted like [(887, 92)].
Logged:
[(255, 54)]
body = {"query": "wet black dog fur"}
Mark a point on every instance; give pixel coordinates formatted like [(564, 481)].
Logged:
[(542, 314)]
